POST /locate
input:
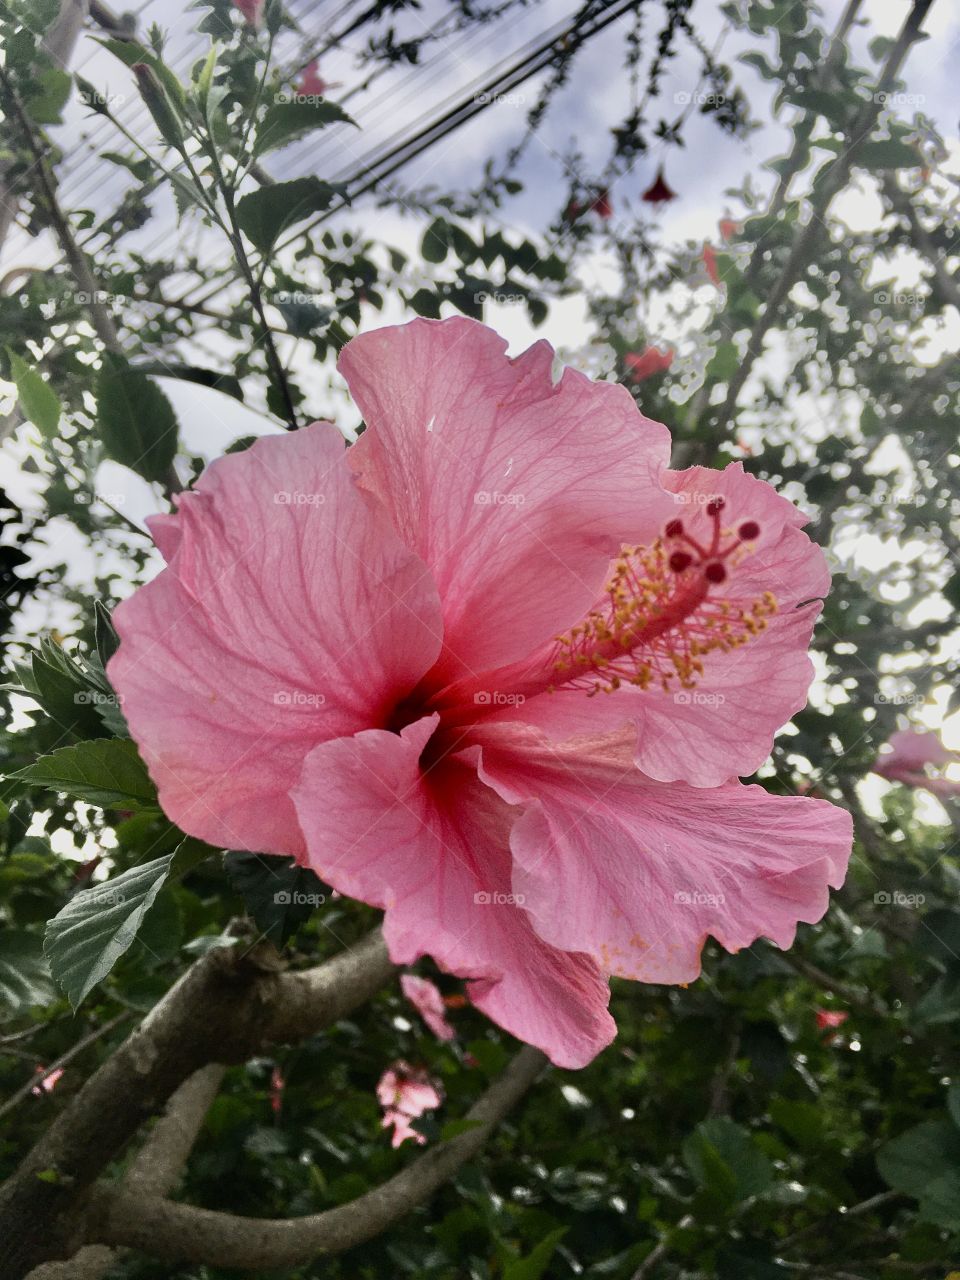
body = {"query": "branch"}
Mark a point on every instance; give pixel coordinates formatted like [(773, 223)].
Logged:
[(179, 1232), (226, 1008), (73, 1052), (155, 1170)]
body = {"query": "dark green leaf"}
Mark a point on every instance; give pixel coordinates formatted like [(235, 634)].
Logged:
[(84, 941), (285, 122), (279, 894), (137, 423), (105, 771), (24, 974), (38, 400), (265, 214)]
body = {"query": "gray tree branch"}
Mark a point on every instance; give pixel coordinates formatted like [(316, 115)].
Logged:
[(179, 1232), (226, 1008)]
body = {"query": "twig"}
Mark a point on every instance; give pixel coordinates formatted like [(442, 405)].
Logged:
[(71, 1053)]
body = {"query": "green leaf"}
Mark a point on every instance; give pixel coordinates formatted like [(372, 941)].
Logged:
[(84, 941), (137, 423), (48, 96), (104, 632), (228, 383), (37, 398), (535, 1264), (914, 1159), (265, 214), (436, 241), (279, 894), (105, 771), (285, 122), (940, 1202), (722, 1157), (887, 154), (24, 974)]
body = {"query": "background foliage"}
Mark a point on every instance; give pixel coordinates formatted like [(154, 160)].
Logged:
[(728, 1132)]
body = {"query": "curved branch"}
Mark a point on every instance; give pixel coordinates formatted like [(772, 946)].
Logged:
[(179, 1232), (226, 1008), (154, 1171)]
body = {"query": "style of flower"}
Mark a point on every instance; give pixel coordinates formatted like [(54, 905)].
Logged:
[(495, 669)]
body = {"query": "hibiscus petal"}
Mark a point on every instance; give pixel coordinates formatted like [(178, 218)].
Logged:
[(289, 613), (637, 873), (431, 847), (515, 490)]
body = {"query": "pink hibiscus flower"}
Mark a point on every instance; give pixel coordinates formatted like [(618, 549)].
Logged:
[(252, 10), (48, 1080), (428, 1002), (641, 365), (494, 669), (911, 752), (405, 1093)]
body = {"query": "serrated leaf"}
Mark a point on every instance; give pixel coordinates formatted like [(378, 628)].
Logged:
[(84, 941), (137, 423), (24, 974), (105, 771), (265, 214), (38, 400), (285, 122)]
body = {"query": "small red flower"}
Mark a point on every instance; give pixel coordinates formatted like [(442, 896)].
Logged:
[(312, 82), (829, 1019), (710, 262), (729, 228), (645, 364), (277, 1086), (601, 206), (659, 190), (252, 10)]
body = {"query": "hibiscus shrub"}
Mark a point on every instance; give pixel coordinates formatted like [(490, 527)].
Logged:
[(364, 762)]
